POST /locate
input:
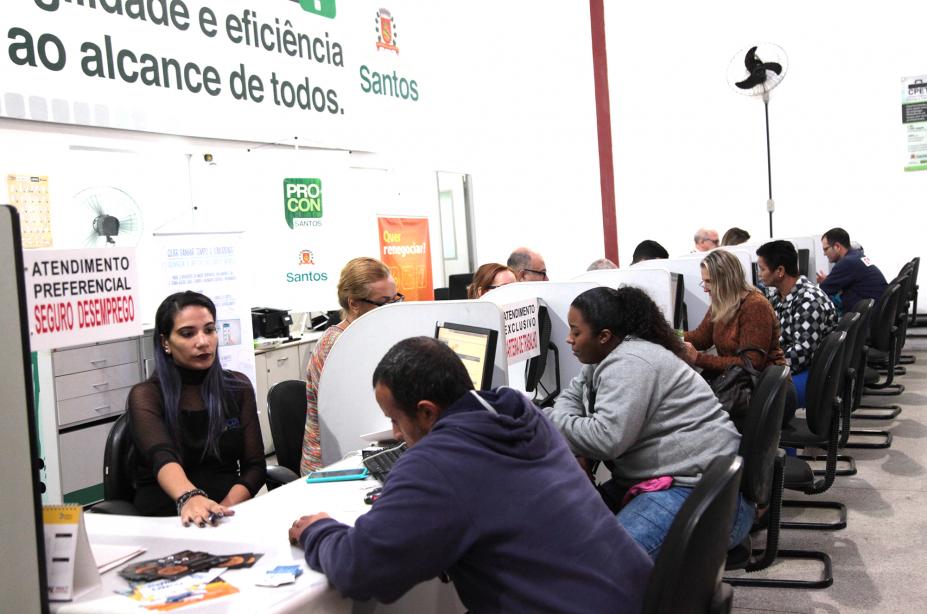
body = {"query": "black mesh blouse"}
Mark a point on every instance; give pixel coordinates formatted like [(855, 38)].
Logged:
[(241, 449)]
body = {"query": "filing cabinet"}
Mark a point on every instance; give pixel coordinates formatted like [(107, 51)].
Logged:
[(92, 383)]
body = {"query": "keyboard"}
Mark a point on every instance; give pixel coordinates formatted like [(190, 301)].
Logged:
[(380, 464)]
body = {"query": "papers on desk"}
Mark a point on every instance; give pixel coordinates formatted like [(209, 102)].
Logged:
[(374, 437), (111, 557), (172, 594)]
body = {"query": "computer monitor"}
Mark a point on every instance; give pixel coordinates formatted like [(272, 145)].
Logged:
[(475, 346), (21, 503), (457, 285), (678, 292), (803, 257)]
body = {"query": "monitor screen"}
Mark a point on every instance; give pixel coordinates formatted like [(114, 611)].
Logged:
[(803, 260), (21, 505), (678, 293), (475, 346)]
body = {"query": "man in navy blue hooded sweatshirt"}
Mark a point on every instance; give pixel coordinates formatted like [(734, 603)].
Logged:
[(489, 492)]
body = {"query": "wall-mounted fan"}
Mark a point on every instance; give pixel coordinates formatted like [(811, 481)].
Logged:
[(112, 217), (755, 71)]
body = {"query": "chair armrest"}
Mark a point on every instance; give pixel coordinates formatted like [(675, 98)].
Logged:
[(115, 506), (278, 476)]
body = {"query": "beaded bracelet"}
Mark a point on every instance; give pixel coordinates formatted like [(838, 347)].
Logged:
[(182, 499)]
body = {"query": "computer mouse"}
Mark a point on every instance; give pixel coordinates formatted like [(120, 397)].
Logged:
[(373, 495)]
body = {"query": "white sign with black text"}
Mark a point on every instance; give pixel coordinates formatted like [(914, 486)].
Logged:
[(81, 296), (521, 330)]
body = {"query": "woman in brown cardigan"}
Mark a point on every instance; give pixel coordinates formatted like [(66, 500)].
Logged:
[(739, 318)]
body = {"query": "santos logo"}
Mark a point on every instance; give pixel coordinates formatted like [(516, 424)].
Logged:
[(302, 202)]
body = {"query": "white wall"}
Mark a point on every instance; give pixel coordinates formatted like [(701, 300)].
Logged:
[(689, 151)]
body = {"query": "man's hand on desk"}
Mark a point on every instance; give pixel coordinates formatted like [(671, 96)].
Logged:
[(300, 525)]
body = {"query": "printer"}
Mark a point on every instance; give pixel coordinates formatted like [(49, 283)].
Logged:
[(269, 323)]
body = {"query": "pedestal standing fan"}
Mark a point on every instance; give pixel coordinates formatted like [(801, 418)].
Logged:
[(755, 72)]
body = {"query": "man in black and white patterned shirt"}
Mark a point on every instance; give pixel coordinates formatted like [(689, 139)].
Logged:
[(806, 314)]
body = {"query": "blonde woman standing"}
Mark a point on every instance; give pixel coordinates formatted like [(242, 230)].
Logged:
[(364, 285)]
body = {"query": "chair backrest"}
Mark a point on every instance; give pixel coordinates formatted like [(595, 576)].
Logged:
[(883, 323), (286, 412), (118, 460), (761, 430), (824, 382), (687, 573), (865, 309), (849, 323)]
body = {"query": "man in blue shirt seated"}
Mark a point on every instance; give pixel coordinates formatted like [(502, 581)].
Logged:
[(489, 492), (853, 276)]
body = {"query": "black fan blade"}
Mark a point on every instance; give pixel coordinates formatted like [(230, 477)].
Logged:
[(750, 60), (775, 67), (757, 77)]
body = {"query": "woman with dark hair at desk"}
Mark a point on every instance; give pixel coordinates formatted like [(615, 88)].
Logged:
[(640, 409), (364, 285), (194, 424)]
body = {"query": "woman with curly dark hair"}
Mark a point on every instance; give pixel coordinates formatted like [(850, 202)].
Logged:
[(642, 410)]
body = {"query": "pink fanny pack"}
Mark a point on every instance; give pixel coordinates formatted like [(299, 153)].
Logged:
[(652, 485)]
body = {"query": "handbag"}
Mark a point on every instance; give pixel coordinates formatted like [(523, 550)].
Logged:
[(735, 385)]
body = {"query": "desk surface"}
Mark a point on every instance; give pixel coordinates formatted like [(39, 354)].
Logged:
[(259, 525)]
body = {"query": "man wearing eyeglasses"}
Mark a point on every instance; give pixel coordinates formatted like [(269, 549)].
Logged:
[(706, 239), (853, 276), (528, 265)]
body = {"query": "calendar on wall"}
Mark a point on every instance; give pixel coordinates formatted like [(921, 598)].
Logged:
[(29, 194)]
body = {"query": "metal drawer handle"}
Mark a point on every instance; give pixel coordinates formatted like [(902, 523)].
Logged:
[(98, 361), (100, 385), (101, 408), (284, 359)]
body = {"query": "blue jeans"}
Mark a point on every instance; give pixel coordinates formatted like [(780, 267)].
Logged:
[(647, 518), (801, 382)]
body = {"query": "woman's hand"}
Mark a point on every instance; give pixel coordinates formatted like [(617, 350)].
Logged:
[(201, 511), (691, 354)]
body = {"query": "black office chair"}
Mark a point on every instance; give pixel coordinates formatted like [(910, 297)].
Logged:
[(686, 577), (915, 268), (819, 428), (118, 458), (286, 412), (884, 344), (762, 483)]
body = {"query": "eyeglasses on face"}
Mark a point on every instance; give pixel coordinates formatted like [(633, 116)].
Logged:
[(541, 273), (396, 299), (714, 242)]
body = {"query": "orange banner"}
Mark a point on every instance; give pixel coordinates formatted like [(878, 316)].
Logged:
[(405, 249)]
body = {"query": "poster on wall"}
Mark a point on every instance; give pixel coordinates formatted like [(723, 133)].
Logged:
[(29, 194), (211, 264), (914, 118), (405, 249), (79, 296)]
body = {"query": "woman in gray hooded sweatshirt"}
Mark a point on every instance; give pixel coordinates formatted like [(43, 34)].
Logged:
[(638, 407)]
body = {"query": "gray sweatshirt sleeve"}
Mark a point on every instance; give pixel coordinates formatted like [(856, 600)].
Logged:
[(624, 389)]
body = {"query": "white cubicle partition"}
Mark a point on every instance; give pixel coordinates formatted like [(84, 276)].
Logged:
[(556, 296), (689, 266), (347, 407), (657, 283), (817, 260)]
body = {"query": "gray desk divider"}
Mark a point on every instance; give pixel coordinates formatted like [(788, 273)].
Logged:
[(347, 407), (556, 296), (655, 282), (817, 261)]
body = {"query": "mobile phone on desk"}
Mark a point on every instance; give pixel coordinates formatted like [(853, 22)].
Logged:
[(337, 475)]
